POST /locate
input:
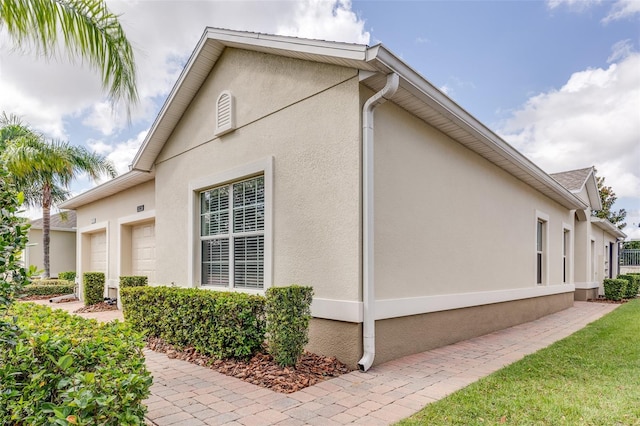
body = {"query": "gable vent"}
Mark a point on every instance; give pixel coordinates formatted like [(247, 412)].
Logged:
[(225, 118)]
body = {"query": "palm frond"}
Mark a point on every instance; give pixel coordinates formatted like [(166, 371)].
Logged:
[(89, 31)]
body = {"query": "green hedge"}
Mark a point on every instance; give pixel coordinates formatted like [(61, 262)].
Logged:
[(615, 289), (288, 312), (64, 369), (216, 323), (633, 284), (133, 281), (52, 282), (48, 289), (93, 287), (69, 275)]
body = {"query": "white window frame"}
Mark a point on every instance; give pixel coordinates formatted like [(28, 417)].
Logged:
[(260, 167), (567, 254), (543, 218)]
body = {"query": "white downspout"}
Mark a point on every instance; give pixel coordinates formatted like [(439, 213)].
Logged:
[(368, 293)]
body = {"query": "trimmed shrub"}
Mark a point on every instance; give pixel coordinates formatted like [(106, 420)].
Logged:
[(633, 285), (288, 311), (69, 276), (93, 287), (615, 289), (216, 323), (133, 281), (51, 282), (48, 289), (64, 369)]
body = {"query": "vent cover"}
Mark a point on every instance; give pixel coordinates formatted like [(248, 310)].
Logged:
[(225, 117)]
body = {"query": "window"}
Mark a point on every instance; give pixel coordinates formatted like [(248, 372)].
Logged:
[(565, 255), (232, 234), (539, 251)]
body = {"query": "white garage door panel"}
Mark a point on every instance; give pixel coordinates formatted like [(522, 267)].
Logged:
[(98, 256), (143, 251)]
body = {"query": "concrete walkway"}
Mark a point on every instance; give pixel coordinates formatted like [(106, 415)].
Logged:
[(189, 395)]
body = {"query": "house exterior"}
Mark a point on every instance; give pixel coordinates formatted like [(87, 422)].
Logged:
[(279, 160), (62, 244), (595, 240)]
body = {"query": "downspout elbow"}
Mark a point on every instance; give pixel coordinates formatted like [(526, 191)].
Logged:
[(368, 293)]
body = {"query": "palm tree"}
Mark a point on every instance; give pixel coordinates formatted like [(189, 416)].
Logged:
[(43, 169), (86, 28)]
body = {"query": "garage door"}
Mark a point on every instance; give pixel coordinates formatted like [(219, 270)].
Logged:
[(98, 256), (143, 251)]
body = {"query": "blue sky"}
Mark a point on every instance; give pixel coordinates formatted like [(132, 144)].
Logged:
[(559, 80)]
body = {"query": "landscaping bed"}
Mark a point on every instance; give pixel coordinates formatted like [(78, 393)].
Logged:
[(261, 369)]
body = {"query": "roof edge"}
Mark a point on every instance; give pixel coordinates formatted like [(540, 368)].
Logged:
[(607, 226), (458, 114), (111, 187)]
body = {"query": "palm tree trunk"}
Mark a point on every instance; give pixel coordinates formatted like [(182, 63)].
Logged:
[(46, 227)]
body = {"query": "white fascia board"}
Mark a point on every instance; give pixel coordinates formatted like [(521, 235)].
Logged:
[(168, 102), (412, 81), (607, 226), (246, 39), (111, 187)]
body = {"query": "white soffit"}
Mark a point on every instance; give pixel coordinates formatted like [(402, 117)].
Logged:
[(608, 227), (122, 182), (416, 95), (426, 102)]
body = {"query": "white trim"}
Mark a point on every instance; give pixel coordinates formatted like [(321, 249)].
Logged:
[(587, 285), (393, 308), (345, 310), (338, 310), (90, 229), (264, 166), (544, 217), (141, 217), (570, 249)]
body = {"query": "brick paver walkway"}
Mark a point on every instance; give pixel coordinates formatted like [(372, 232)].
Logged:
[(185, 394), (188, 395)]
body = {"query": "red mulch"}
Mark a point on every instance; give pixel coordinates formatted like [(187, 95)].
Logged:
[(261, 370), (98, 307)]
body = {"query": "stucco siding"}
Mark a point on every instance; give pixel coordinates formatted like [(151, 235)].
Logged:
[(302, 115), (104, 216), (62, 251), (448, 221)]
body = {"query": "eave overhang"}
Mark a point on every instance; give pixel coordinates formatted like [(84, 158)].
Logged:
[(608, 227), (118, 184), (416, 95)]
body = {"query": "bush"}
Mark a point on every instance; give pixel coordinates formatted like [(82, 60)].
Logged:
[(133, 281), (48, 289), (633, 285), (65, 369), (216, 323), (93, 287), (68, 276), (288, 311), (615, 289)]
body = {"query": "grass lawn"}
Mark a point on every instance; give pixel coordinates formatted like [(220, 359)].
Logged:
[(590, 378)]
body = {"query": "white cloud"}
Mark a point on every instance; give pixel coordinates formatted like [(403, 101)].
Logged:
[(594, 119), (573, 4), (50, 95), (620, 50), (622, 9), (120, 154), (328, 20)]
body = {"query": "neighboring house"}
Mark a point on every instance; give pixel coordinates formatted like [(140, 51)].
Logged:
[(260, 170), (596, 241), (62, 244)]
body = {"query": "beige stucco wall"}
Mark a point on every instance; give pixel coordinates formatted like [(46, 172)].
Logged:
[(104, 216), (62, 251), (305, 116), (448, 221)]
